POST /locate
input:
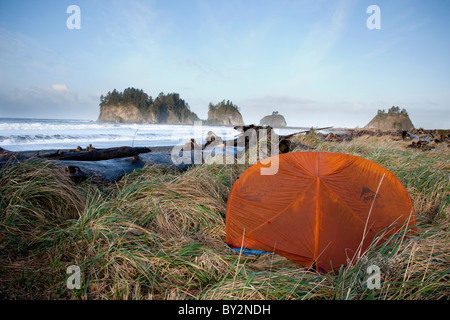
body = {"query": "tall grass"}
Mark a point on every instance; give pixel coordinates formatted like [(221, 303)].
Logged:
[(36, 197), (160, 234)]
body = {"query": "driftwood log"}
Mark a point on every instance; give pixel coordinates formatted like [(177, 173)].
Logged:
[(100, 165), (111, 170), (98, 154), (83, 166)]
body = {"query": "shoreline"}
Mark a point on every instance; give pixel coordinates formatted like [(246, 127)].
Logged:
[(327, 131), (296, 130)]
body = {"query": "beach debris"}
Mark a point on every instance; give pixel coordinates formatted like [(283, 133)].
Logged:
[(112, 170), (421, 139), (301, 146), (105, 154), (79, 149), (422, 145), (427, 140), (191, 145), (253, 133), (332, 137), (284, 142), (98, 154), (212, 140)]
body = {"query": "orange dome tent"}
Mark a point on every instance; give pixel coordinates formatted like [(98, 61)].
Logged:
[(318, 209)]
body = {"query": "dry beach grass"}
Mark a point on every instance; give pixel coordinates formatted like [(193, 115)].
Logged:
[(160, 234)]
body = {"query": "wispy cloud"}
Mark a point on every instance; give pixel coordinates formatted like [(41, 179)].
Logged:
[(56, 100), (270, 100), (23, 55), (201, 69), (60, 87), (135, 25), (399, 27), (57, 94), (320, 40)]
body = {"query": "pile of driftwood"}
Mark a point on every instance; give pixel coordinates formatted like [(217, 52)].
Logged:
[(420, 139), (427, 139), (261, 134)]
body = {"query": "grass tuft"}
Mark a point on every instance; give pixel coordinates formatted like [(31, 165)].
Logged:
[(160, 234)]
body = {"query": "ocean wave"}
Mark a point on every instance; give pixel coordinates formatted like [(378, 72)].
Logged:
[(58, 138), (36, 126), (95, 126)]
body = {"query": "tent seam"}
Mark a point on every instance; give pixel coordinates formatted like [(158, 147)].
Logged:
[(317, 212)]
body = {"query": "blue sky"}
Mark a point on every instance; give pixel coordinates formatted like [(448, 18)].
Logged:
[(314, 61)]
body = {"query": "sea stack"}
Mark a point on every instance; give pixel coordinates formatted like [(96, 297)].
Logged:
[(275, 120), (394, 119), (224, 113)]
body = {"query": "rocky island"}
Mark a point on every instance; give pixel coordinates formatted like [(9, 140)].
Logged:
[(275, 120), (135, 106), (394, 119), (224, 113)]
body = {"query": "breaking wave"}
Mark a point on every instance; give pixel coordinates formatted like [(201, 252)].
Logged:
[(36, 134), (45, 134)]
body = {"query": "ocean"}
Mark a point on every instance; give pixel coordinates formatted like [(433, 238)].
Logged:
[(54, 134)]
